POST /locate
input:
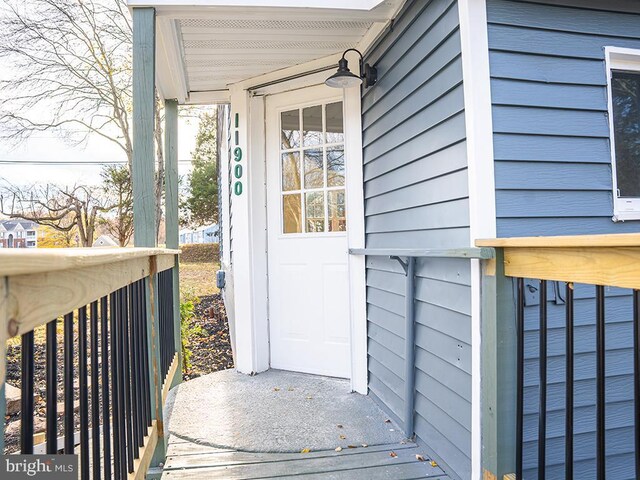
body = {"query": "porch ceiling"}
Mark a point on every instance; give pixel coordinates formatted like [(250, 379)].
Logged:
[(201, 50)]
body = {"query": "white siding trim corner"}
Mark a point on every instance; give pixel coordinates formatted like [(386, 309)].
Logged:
[(482, 205)]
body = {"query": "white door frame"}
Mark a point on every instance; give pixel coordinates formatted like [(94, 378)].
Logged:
[(252, 346)]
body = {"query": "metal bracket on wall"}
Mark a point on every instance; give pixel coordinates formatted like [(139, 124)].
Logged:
[(403, 264)]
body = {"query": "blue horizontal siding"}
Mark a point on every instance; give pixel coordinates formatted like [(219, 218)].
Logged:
[(416, 196), (553, 177)]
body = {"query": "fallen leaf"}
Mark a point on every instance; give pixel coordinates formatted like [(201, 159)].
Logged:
[(420, 458), (338, 449), (364, 445), (305, 450), (342, 437), (393, 454), (433, 463)]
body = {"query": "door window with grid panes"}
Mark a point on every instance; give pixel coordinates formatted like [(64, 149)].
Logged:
[(312, 169)]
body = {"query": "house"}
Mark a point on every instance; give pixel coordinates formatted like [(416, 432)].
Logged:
[(202, 234), (459, 120), (18, 234), (104, 241)]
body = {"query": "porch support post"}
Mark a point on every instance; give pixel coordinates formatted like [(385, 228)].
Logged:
[(498, 366), (249, 232), (144, 106), (171, 215), (144, 203)]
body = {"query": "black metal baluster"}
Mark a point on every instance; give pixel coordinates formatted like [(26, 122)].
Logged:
[(170, 324), (600, 382), (121, 389), (115, 382), (27, 404), (52, 388), (520, 378), (95, 395), (84, 393), (69, 412), (568, 434), (135, 383), (542, 413), (163, 350), (127, 377), (145, 355), (106, 423)]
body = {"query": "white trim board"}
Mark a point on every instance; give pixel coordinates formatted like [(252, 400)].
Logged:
[(482, 204), (356, 237), (339, 4)]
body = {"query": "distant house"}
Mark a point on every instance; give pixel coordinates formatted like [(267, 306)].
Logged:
[(18, 234), (105, 241), (204, 234)]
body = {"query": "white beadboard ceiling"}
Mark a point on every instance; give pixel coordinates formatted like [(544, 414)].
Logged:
[(201, 50)]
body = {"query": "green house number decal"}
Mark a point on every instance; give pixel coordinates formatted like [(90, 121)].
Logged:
[(237, 156)]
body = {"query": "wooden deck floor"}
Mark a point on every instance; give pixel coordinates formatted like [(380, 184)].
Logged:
[(190, 461)]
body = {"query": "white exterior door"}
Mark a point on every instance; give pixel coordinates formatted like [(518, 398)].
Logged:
[(307, 239)]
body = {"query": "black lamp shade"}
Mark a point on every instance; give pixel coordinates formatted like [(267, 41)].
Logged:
[(343, 78)]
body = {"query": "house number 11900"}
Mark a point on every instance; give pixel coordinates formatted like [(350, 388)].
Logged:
[(237, 156)]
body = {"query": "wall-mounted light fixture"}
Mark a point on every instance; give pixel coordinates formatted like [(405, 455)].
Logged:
[(344, 78)]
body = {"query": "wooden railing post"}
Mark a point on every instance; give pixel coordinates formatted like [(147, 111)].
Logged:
[(498, 364), (156, 380)]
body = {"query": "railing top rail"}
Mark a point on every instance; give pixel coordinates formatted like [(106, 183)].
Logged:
[(16, 261), (464, 252), (565, 241)]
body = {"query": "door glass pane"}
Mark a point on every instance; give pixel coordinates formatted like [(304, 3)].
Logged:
[(290, 129), (292, 213), (337, 211), (335, 128), (335, 166), (312, 126), (625, 88), (313, 168), (315, 211), (291, 171)]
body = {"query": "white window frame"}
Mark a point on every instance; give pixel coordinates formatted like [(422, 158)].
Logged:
[(627, 59), (325, 189)]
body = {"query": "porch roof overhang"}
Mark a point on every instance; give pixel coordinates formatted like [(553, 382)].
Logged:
[(205, 46)]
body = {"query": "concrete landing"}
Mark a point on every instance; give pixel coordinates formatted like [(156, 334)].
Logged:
[(276, 411)]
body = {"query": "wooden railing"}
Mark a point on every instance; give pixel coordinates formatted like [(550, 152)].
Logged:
[(120, 351), (599, 261)]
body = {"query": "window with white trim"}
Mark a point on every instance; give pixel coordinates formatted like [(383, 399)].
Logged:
[(623, 75)]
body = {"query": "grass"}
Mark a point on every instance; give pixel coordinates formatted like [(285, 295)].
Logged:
[(198, 279)]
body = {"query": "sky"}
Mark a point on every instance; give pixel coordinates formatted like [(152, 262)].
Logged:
[(50, 149)]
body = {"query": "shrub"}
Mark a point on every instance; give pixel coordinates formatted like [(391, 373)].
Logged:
[(200, 253)]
